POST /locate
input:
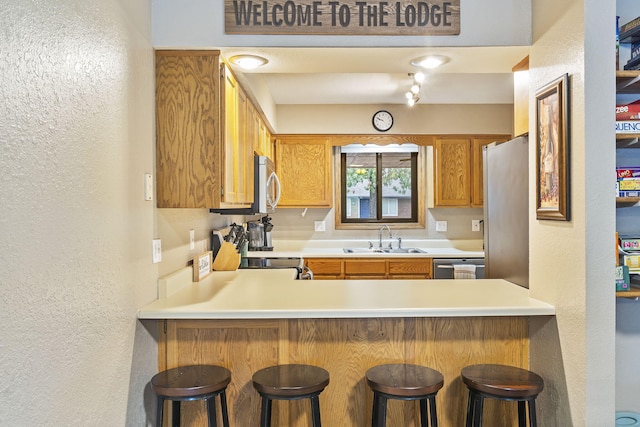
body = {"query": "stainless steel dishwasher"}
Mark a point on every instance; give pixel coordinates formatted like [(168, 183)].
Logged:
[(444, 268)]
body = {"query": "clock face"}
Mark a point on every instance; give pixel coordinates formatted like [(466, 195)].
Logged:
[(382, 120)]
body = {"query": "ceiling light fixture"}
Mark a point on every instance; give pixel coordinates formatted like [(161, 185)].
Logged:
[(248, 62), (413, 95), (430, 61)]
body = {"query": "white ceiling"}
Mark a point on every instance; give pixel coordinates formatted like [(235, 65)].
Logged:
[(473, 75)]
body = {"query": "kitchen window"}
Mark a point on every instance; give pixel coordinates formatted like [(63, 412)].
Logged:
[(379, 183)]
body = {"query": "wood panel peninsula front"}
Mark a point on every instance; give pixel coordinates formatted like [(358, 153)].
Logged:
[(249, 319)]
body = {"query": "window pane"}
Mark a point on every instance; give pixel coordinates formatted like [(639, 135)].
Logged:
[(396, 184), (389, 207), (361, 185)]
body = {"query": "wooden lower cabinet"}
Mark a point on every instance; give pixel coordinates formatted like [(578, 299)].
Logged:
[(370, 268), (346, 348)]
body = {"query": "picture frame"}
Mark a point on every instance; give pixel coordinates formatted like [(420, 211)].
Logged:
[(552, 150), (202, 265)]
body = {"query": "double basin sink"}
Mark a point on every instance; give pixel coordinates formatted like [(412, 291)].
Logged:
[(384, 250)]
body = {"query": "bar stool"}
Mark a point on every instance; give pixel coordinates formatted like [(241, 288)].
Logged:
[(503, 383), (404, 382), (197, 382), (290, 382)]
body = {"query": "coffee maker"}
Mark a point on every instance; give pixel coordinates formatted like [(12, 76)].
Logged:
[(260, 234)]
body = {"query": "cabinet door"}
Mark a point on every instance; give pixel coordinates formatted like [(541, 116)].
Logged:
[(410, 268), (244, 173), (453, 172), (187, 139), (230, 136), (325, 268), (303, 164), (477, 198)]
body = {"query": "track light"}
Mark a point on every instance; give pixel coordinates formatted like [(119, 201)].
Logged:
[(413, 95)]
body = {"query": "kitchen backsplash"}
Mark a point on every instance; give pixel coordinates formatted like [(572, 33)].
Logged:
[(300, 224)]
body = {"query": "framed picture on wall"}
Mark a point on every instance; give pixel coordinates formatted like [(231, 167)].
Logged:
[(552, 150)]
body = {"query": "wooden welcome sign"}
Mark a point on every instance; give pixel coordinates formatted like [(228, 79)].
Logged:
[(343, 17)]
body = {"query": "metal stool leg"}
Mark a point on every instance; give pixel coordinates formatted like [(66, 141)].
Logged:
[(434, 414), (225, 412), (159, 411), (532, 413), (522, 415), (470, 409), (382, 411), (315, 411), (424, 417), (265, 412), (477, 412), (175, 413), (211, 411)]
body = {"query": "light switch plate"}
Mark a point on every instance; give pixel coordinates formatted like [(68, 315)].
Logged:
[(319, 225), (475, 225), (441, 225), (192, 239), (156, 245), (148, 187)]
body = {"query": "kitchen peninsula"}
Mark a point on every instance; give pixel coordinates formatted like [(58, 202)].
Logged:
[(248, 319)]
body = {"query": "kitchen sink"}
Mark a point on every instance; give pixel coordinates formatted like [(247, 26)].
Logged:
[(404, 251), (384, 251), (362, 250)]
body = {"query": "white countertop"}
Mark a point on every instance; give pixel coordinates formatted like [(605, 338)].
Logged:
[(274, 294)]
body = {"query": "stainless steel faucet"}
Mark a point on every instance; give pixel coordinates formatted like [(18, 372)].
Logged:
[(380, 236)]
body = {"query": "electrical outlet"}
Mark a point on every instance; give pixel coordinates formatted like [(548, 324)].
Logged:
[(441, 225), (156, 245), (192, 240), (148, 187), (475, 225), (319, 226)]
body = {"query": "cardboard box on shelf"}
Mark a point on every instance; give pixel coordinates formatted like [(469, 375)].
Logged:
[(622, 278), (630, 31), (629, 111), (628, 126), (628, 172), (629, 184)]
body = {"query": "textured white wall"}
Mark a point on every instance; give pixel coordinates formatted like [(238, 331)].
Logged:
[(76, 137), (572, 262)]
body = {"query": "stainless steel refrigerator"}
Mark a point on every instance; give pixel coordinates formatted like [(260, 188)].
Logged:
[(506, 211)]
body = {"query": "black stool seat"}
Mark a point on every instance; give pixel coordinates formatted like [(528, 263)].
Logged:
[(197, 382), (290, 382), (504, 383), (404, 382)]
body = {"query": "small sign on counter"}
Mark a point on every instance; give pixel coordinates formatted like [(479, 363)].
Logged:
[(202, 266)]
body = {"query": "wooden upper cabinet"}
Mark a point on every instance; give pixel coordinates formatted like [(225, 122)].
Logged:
[(187, 129), (452, 172), (459, 170), (303, 164)]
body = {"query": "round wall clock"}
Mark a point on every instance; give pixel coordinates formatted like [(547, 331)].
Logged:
[(382, 120)]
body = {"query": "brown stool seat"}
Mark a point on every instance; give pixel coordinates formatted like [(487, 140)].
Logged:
[(404, 382), (197, 382), (504, 383), (290, 382)]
